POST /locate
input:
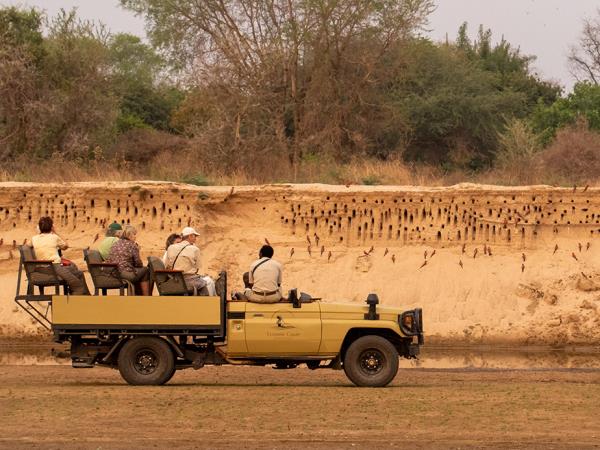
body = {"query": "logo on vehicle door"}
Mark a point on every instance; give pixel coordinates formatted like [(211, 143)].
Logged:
[(281, 323)]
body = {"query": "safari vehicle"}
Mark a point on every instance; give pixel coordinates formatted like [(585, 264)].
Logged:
[(149, 338)]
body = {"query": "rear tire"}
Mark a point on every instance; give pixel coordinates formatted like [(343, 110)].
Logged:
[(146, 361), (371, 361)]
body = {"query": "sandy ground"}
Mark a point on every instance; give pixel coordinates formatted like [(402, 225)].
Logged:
[(512, 266), (244, 407)]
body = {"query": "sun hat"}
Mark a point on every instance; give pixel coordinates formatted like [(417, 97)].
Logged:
[(189, 230)]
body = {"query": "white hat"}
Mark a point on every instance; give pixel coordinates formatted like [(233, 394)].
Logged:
[(189, 230)]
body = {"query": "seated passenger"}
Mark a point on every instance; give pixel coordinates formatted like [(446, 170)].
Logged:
[(264, 278), (113, 233), (126, 254), (185, 256), (172, 239), (46, 246)]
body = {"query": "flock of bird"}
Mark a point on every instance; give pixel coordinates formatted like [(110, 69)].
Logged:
[(487, 250)]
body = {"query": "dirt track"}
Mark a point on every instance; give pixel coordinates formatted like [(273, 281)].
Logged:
[(242, 407)]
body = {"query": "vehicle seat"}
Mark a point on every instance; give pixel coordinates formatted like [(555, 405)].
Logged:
[(168, 282), (39, 273), (105, 275)]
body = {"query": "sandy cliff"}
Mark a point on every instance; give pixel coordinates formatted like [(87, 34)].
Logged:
[(523, 290)]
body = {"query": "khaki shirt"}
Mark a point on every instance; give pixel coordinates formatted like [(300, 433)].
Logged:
[(267, 276), (189, 259), (46, 245)]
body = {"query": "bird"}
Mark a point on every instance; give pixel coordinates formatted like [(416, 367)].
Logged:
[(523, 257), (423, 265), (322, 249), (555, 249), (231, 191), (464, 248), (425, 254), (366, 253), (371, 249), (580, 246), (329, 256), (317, 239), (586, 188), (432, 254), (309, 251), (522, 267), (574, 256), (25, 242), (386, 251), (267, 241), (14, 243), (484, 249), (460, 263), (96, 237), (308, 240), (584, 275), (1, 241), (475, 254), (394, 259), (574, 188), (292, 252), (489, 251), (587, 246)]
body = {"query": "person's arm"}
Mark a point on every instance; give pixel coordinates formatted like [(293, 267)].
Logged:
[(251, 274), (137, 260), (61, 243)]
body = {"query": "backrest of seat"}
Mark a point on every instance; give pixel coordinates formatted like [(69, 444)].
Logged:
[(37, 273), (155, 263), (167, 283), (104, 277)]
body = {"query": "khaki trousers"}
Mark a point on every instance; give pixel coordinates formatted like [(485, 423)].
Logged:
[(74, 278), (257, 298)]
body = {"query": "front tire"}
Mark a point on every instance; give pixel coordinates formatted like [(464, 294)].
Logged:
[(371, 361), (146, 361)]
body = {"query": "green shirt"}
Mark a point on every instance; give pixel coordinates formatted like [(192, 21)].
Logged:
[(106, 245)]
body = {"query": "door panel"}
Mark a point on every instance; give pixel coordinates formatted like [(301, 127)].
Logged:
[(279, 329)]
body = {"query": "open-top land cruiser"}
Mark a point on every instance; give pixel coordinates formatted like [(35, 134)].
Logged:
[(148, 338)]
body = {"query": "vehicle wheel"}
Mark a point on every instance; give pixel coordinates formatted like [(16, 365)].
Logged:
[(371, 361), (146, 361)]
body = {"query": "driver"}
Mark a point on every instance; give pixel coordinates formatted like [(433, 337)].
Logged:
[(264, 278)]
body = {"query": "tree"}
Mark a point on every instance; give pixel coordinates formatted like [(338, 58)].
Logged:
[(293, 74), (585, 59)]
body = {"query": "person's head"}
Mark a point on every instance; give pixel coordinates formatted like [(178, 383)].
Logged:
[(129, 233), (114, 229), (46, 224), (266, 251), (189, 234), (173, 239)]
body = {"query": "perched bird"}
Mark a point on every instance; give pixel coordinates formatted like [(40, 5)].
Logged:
[(371, 249), (423, 265), (394, 259), (489, 251), (1, 241), (366, 253), (309, 251), (584, 275), (25, 242), (329, 256), (522, 267), (555, 249), (586, 188), (14, 244), (580, 246), (96, 237), (475, 254), (464, 248), (231, 191), (432, 254), (523, 257), (267, 241), (587, 246), (292, 252), (574, 256), (425, 254), (460, 263), (317, 239), (386, 252), (322, 249), (308, 240)]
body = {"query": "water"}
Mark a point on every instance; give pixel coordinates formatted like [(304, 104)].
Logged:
[(520, 358)]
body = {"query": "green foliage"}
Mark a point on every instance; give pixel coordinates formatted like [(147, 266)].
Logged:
[(197, 180), (517, 142), (583, 102)]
